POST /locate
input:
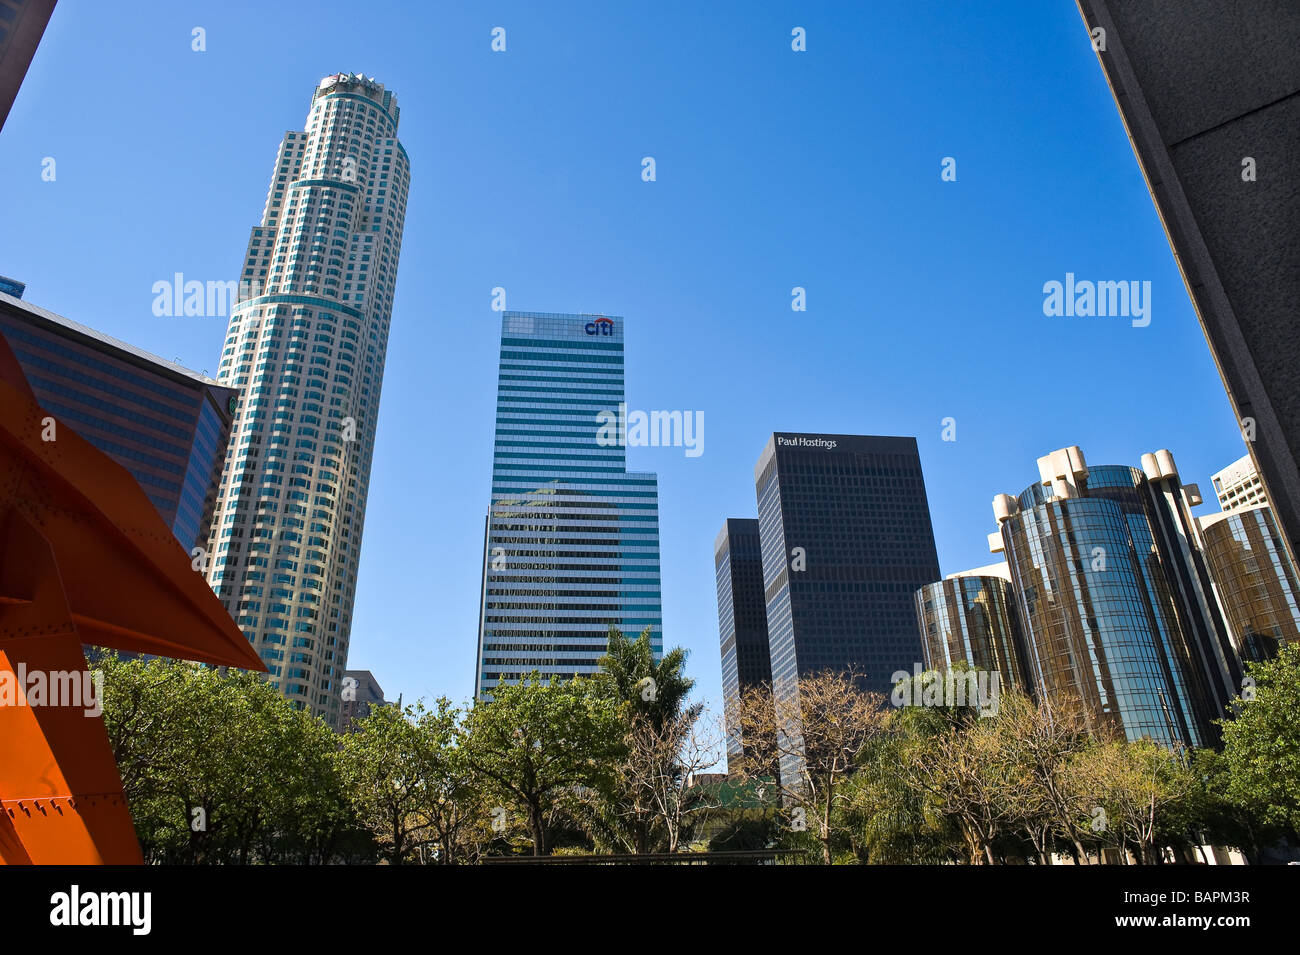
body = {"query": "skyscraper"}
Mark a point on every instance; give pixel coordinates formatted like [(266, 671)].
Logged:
[(359, 699), (572, 539), (165, 424), (742, 622), (307, 349), (847, 542), (1098, 599)]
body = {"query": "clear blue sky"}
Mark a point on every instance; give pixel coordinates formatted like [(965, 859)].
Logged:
[(775, 169)]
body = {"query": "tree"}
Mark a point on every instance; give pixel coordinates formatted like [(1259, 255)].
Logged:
[(1262, 744), (411, 784), (817, 731), (534, 743), (890, 818), (1210, 816), (219, 768), (1055, 797), (1135, 782), (629, 673), (659, 765), (963, 768), (452, 800), (634, 813), (386, 764)]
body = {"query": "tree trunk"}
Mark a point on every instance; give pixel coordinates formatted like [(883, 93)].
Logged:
[(539, 831)]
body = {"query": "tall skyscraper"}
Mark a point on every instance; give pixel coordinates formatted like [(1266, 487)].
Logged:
[(1207, 92), (572, 538), (165, 424), (847, 542), (742, 622), (1101, 595), (306, 349), (22, 24)]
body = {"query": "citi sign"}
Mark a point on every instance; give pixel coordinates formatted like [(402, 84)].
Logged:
[(601, 326)]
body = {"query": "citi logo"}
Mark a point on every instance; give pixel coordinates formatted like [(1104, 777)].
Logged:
[(601, 326)]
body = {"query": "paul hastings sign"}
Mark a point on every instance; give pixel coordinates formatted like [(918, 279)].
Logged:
[(806, 441)]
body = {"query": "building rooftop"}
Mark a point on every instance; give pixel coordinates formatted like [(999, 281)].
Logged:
[(128, 351)]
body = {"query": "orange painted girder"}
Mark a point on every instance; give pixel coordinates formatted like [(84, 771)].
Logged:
[(84, 559)]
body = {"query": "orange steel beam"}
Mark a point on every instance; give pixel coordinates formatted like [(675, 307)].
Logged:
[(84, 559)]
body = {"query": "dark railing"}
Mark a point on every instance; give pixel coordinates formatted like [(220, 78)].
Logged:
[(730, 857)]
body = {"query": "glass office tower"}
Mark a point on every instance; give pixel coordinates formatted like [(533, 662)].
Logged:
[(1255, 579), (847, 541), (742, 621), (1093, 593), (971, 619), (306, 349), (572, 539), (165, 424)]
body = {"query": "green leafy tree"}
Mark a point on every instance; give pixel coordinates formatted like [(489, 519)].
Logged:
[(535, 744), (890, 818), (642, 809), (219, 768), (629, 674), (409, 782), (1261, 746)]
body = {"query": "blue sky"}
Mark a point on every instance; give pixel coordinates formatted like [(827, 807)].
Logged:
[(775, 169)]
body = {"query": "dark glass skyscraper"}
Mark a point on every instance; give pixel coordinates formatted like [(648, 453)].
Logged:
[(22, 24), (742, 621), (572, 541), (847, 541), (165, 424)]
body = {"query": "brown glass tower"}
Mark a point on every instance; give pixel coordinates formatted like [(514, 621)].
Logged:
[(1255, 579), (1100, 604), (971, 619)]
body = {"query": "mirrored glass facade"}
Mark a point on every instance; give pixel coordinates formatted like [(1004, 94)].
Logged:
[(971, 620), (1098, 622), (1255, 579), (572, 538)]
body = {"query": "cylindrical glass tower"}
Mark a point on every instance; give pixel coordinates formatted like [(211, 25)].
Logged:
[(972, 620), (1255, 579), (1093, 631)]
